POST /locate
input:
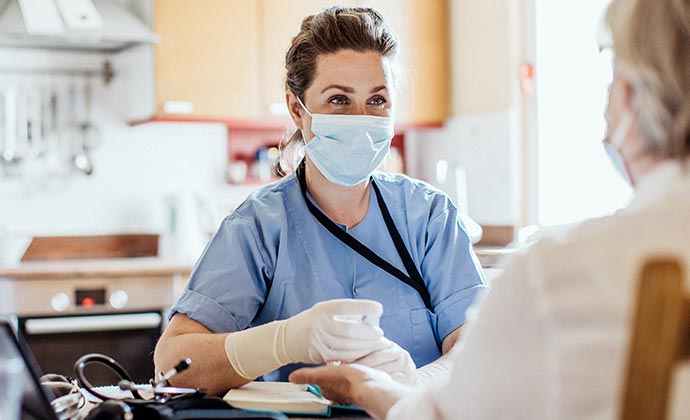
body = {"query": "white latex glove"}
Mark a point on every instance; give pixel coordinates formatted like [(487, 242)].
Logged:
[(398, 363), (342, 330), (394, 360)]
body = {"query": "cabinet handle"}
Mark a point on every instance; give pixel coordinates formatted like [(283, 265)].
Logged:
[(178, 107), (72, 324)]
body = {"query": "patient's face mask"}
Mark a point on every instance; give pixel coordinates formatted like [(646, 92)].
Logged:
[(613, 144), (347, 149)]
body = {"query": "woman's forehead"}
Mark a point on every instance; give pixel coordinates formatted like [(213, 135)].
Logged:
[(353, 69)]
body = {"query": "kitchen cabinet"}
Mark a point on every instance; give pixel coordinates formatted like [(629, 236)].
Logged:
[(207, 62), (280, 23), (223, 59), (422, 29)]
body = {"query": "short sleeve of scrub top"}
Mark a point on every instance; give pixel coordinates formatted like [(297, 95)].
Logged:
[(271, 259)]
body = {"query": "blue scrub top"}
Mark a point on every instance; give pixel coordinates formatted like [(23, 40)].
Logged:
[(271, 259)]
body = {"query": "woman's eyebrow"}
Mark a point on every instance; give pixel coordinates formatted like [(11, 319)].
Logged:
[(343, 88), (348, 89)]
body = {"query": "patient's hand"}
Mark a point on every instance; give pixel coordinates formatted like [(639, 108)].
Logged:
[(353, 384), (394, 360)]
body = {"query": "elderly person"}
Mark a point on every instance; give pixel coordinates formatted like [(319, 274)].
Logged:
[(550, 341)]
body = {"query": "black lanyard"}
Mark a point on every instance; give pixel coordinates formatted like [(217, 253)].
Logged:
[(414, 279)]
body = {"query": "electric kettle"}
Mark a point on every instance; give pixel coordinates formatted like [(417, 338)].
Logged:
[(452, 178), (188, 227)]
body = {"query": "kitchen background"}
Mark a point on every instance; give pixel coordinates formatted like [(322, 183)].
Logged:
[(136, 167), (168, 112)]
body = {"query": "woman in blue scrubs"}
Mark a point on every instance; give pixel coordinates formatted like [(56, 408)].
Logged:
[(334, 262)]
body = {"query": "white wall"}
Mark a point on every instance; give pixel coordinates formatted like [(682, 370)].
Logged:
[(483, 133), (576, 180), (136, 167), (485, 146)]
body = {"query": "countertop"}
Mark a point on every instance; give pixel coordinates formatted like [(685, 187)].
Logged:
[(493, 257), (90, 268), (489, 257)]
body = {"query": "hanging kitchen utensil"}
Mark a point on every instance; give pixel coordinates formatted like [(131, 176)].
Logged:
[(92, 136), (3, 119), (58, 154), (51, 132), (35, 171), (8, 157), (80, 154), (22, 120), (34, 122)]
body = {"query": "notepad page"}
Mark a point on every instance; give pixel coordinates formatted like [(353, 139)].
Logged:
[(276, 392)]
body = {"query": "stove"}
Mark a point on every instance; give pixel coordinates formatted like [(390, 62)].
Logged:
[(63, 319)]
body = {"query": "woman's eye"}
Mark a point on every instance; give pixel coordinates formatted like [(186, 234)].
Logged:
[(378, 101), (339, 100)]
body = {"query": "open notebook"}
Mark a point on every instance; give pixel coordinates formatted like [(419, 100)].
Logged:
[(283, 396)]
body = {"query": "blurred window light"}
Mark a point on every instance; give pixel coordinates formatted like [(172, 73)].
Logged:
[(576, 180)]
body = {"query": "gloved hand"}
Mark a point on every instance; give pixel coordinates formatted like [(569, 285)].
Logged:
[(342, 329), (398, 363), (393, 359)]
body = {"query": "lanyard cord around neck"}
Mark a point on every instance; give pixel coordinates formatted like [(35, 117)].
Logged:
[(414, 280)]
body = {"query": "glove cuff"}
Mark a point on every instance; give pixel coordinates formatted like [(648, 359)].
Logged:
[(257, 351)]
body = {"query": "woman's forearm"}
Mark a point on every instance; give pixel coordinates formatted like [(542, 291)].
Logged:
[(210, 368), (439, 370)]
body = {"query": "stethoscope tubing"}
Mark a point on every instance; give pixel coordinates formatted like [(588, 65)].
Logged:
[(110, 363)]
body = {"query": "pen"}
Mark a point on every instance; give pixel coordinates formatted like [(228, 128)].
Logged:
[(354, 319), (164, 377), (314, 390)]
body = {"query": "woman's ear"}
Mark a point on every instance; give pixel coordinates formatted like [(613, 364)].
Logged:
[(294, 108), (626, 91), (620, 97)]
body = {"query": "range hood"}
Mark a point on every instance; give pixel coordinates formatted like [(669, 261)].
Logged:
[(119, 29)]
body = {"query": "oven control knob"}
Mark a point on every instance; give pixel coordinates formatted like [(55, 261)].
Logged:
[(60, 302), (119, 299)]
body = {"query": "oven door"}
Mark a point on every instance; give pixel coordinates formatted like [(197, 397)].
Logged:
[(130, 338)]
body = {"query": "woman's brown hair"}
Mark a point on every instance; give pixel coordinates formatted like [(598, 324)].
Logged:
[(334, 29)]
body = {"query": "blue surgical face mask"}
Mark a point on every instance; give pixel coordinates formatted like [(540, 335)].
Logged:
[(612, 145), (347, 149)]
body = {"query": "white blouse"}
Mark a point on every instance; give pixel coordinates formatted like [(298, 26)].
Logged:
[(551, 339)]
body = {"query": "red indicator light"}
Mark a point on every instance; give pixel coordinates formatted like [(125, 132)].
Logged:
[(87, 302)]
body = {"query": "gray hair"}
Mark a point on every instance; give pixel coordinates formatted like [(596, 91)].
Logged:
[(652, 39)]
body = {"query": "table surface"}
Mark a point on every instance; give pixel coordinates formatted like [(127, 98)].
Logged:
[(116, 392)]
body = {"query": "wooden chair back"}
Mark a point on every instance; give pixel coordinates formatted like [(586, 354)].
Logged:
[(660, 339)]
